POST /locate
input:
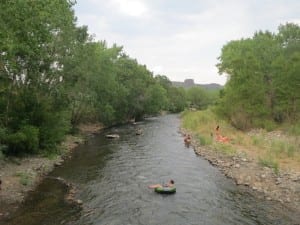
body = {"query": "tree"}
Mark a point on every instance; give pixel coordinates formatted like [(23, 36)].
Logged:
[(197, 98), (261, 84), (36, 36)]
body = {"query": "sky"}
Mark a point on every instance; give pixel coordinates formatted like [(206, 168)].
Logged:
[(182, 39)]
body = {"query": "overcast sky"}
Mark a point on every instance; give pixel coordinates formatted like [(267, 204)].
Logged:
[(182, 38)]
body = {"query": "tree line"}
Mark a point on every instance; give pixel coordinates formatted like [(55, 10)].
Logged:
[(263, 87), (54, 76)]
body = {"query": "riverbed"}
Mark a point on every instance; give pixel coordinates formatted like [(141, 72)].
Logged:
[(111, 178)]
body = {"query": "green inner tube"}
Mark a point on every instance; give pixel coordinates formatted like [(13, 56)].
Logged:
[(165, 190)]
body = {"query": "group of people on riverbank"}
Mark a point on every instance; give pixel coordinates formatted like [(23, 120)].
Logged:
[(218, 137)]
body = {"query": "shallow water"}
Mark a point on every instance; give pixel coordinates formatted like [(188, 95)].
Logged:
[(112, 178)]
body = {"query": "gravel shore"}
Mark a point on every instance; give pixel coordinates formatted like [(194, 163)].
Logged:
[(283, 186), (21, 175)]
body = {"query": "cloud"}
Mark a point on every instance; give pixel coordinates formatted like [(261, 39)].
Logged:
[(131, 7), (182, 39)]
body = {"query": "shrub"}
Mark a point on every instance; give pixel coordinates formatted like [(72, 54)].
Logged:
[(53, 130), (204, 140), (294, 129), (23, 141)]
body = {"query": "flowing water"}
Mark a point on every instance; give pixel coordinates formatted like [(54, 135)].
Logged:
[(112, 175)]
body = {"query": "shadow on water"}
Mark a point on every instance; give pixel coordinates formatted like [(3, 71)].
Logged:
[(112, 176), (45, 203)]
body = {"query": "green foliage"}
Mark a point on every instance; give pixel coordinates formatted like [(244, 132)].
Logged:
[(281, 147), (106, 115), (269, 162), (53, 130), (198, 98), (294, 129), (26, 140), (258, 140), (205, 140), (25, 178), (155, 99), (224, 148), (268, 125), (192, 119), (264, 79), (177, 99)]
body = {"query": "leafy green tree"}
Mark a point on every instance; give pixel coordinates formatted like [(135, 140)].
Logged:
[(198, 98), (35, 37), (262, 86), (135, 79), (287, 80), (176, 97), (155, 99)]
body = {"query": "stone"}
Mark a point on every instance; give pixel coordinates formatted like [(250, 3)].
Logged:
[(237, 165), (78, 201)]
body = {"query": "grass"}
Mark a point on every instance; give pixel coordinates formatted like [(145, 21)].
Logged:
[(258, 141), (276, 149), (269, 162), (227, 149), (204, 140), (25, 178)]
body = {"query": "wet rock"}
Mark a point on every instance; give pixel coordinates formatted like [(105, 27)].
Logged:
[(78, 201), (58, 164)]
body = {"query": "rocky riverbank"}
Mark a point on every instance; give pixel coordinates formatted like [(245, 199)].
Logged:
[(21, 175), (283, 186)]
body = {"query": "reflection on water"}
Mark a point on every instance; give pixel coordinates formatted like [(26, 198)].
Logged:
[(112, 178)]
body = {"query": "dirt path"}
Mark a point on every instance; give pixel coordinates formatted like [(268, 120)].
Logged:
[(19, 176), (283, 186)]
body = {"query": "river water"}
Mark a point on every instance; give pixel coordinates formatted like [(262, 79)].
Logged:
[(112, 175)]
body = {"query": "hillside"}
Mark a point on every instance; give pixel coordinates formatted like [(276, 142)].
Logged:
[(188, 83)]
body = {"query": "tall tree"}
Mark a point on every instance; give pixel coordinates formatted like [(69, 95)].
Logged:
[(35, 37), (261, 84)]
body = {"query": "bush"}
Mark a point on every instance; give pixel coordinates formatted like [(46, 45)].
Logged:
[(205, 140), (53, 130), (26, 140), (268, 125), (294, 129)]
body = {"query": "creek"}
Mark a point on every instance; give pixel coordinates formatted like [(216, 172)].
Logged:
[(111, 177)]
